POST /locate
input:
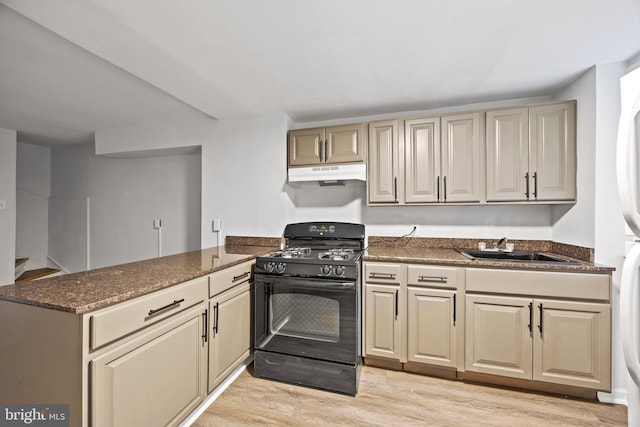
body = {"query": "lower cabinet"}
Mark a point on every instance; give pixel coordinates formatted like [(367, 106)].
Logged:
[(156, 379), (230, 332), (431, 330), (411, 313), (541, 338)]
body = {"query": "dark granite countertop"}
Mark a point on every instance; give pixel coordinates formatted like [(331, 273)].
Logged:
[(437, 251), (94, 289)]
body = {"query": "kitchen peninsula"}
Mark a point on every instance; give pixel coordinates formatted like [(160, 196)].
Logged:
[(92, 340)]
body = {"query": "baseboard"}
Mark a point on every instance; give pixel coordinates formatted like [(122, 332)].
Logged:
[(617, 396), (216, 393)]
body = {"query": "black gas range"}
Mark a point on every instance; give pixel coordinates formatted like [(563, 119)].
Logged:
[(308, 303)]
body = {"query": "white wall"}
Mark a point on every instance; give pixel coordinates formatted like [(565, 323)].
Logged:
[(244, 178), (125, 197), (575, 224), (32, 203), (8, 150)]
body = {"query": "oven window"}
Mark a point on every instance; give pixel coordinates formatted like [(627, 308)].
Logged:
[(305, 316)]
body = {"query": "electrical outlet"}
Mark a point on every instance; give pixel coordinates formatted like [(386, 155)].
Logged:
[(414, 228), (217, 224), (157, 223)]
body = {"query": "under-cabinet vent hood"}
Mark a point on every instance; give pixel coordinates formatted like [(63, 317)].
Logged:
[(329, 173)]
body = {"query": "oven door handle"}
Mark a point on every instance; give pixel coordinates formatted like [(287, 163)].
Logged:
[(303, 283)]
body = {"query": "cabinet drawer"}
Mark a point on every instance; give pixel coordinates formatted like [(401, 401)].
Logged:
[(432, 276), (222, 280), (383, 273), (114, 322)]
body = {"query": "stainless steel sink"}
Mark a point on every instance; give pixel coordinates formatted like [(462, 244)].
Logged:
[(523, 256)]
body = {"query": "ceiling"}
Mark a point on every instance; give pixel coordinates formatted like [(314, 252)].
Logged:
[(71, 67)]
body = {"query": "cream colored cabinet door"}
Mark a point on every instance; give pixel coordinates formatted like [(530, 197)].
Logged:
[(461, 162), (422, 160), (345, 144), (507, 155), (382, 166), (306, 146), (156, 379), (552, 151), (229, 332), (431, 330), (383, 322), (498, 336), (572, 344)]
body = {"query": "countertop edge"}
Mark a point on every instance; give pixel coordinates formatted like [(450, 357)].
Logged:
[(100, 303)]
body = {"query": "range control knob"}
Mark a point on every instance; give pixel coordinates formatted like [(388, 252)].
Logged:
[(326, 270), (269, 266), (340, 271), (280, 267)]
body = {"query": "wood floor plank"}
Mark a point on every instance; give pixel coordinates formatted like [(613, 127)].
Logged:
[(387, 398)]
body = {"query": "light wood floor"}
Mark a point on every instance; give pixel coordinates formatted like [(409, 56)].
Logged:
[(391, 398)]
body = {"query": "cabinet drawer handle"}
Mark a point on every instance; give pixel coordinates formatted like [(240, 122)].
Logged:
[(382, 275), (441, 279), (242, 276), (168, 306)]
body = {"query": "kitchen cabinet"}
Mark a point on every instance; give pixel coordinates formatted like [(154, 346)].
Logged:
[(433, 318), (384, 311), (383, 162), (165, 362), (330, 145), (165, 367), (230, 324), (557, 332), (531, 153), (437, 161), (411, 313)]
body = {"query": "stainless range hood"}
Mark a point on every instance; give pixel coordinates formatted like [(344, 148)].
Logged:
[(329, 174)]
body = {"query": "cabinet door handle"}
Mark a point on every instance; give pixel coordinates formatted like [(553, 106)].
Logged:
[(526, 181), (175, 303), (530, 318), (535, 185), (326, 150), (205, 326), (216, 309), (396, 304), (540, 325), (438, 187), (454, 309), (242, 276), (444, 181), (441, 279), (382, 275), (395, 189)]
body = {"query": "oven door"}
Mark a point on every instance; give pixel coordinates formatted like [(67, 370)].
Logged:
[(307, 317)]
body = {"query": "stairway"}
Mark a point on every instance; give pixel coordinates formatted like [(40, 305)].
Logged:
[(23, 275)]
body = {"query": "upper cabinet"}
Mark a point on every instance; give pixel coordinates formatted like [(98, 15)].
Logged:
[(531, 153), (335, 144), (438, 161)]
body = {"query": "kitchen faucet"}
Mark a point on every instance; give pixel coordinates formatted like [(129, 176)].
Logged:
[(499, 242)]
